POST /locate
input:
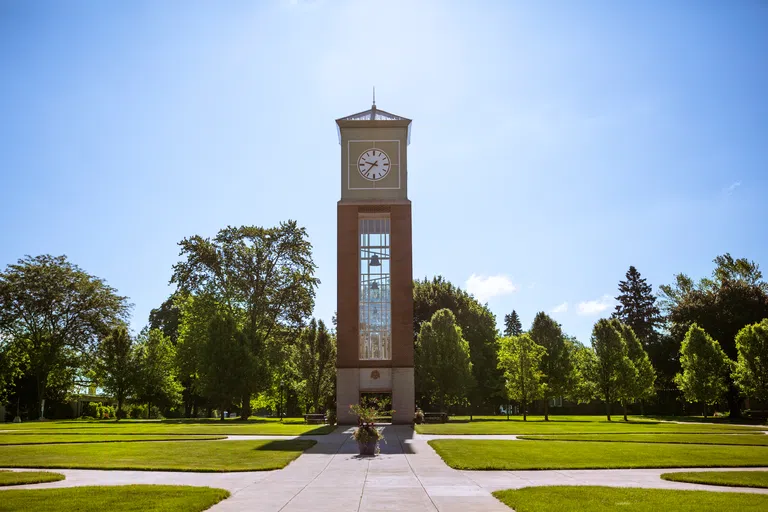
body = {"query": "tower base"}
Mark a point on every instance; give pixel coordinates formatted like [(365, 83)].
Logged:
[(351, 383)]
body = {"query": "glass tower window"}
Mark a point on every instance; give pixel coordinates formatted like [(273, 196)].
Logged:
[(375, 305)]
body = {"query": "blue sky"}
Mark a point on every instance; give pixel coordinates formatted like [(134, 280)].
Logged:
[(554, 143)]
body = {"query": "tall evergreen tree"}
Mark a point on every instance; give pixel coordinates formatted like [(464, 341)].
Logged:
[(637, 307), (512, 325)]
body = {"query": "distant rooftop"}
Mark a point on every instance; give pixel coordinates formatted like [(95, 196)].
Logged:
[(375, 114)]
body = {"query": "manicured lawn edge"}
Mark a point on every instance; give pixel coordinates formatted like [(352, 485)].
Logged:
[(599, 498), (146, 498), (658, 438), (553, 455), (9, 478), (756, 479), (203, 457), (171, 438)]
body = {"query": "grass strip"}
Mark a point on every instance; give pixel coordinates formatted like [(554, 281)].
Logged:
[(514, 455), (577, 425), (19, 438), (599, 499), (124, 498), (207, 456), (726, 478), (28, 477), (724, 439), (175, 427)]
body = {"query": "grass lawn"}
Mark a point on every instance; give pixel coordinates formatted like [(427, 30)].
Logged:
[(732, 439), (138, 498), (571, 425), (513, 455), (292, 427), (584, 498), (212, 456), (728, 478), (56, 438), (28, 477)]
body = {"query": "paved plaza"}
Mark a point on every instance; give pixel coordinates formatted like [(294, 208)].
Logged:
[(408, 475)]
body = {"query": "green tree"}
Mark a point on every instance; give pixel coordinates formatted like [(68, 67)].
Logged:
[(751, 368), (443, 367), (705, 367), (637, 308), (195, 316), (519, 359), (640, 387), (57, 312), (224, 363), (13, 363), (614, 369), (558, 377), (167, 318), (117, 366), (512, 325), (478, 327), (264, 275), (314, 364), (734, 296), (585, 365), (156, 377)]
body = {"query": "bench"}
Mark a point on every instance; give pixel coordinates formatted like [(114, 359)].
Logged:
[(435, 417), (314, 418)]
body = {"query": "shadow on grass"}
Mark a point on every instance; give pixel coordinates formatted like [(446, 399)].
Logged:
[(723, 420), (289, 445)]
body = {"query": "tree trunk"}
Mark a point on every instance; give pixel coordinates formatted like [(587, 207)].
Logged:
[(222, 413), (525, 412), (245, 411), (705, 410), (209, 412), (624, 402), (734, 402), (149, 410), (119, 408), (642, 407), (608, 409), (546, 409)]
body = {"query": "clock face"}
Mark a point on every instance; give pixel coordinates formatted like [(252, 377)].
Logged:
[(373, 165)]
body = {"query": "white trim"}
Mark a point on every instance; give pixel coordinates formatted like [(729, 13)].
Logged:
[(399, 159)]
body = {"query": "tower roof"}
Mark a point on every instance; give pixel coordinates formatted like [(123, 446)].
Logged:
[(374, 114)]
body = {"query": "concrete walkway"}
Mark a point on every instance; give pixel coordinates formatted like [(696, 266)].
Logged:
[(408, 475)]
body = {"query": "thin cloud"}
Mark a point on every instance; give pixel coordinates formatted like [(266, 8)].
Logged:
[(595, 307), (733, 186), (487, 287), (560, 308)]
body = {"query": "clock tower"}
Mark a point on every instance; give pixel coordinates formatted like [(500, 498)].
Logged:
[(374, 271)]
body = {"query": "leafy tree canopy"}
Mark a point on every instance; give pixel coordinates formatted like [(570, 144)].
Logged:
[(520, 359), (478, 327), (704, 367), (56, 312), (263, 277), (751, 369), (733, 297), (443, 367)]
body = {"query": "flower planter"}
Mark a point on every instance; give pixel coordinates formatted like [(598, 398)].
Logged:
[(369, 448)]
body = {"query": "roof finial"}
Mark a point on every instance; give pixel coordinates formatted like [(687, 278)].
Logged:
[(374, 95)]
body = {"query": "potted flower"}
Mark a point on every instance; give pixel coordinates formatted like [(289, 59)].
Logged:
[(367, 434)]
